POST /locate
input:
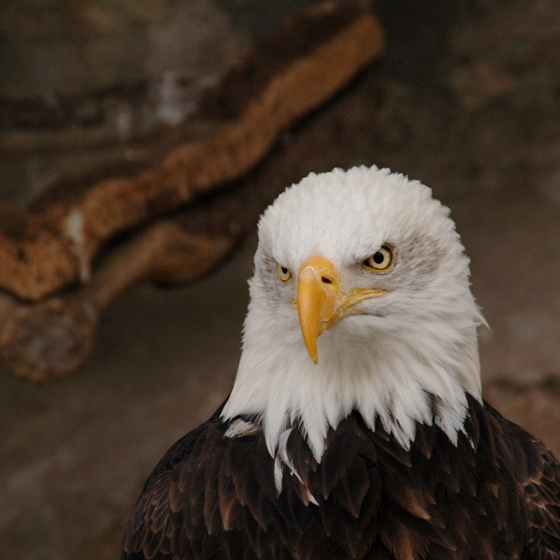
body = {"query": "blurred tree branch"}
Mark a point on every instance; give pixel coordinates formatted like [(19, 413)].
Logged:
[(54, 295)]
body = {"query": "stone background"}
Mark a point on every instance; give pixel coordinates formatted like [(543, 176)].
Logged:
[(84, 80), (467, 100)]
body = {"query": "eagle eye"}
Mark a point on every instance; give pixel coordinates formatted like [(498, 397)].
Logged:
[(380, 261), (284, 274)]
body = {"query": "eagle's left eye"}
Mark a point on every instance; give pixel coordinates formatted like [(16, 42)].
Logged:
[(283, 273), (382, 260)]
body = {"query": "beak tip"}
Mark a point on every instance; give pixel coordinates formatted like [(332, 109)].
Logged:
[(313, 354)]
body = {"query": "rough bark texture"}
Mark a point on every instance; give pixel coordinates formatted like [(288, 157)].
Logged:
[(54, 243), (53, 337)]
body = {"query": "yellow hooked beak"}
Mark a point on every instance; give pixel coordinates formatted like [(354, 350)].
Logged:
[(320, 302)]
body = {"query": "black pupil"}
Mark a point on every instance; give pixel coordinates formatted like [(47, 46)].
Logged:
[(378, 258), (284, 270)]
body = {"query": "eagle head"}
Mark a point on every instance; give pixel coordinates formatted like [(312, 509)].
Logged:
[(360, 300)]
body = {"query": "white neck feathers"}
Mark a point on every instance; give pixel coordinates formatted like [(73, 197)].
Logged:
[(366, 364)]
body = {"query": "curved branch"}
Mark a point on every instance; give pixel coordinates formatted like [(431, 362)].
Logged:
[(54, 243)]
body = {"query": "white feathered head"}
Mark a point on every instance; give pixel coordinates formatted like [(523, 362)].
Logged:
[(360, 300)]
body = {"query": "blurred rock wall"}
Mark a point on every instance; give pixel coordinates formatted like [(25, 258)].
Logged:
[(87, 80)]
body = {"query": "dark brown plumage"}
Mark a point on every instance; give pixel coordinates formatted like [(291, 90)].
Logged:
[(494, 496)]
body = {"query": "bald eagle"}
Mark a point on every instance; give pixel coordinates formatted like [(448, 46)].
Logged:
[(355, 428)]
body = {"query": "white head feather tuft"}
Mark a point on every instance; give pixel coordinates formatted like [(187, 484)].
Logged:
[(417, 339)]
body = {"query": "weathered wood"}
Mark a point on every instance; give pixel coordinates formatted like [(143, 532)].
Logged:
[(55, 242), (51, 338)]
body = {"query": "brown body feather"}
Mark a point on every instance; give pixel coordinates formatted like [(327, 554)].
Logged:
[(496, 495)]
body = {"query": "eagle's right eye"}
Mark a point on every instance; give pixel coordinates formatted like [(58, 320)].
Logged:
[(283, 273)]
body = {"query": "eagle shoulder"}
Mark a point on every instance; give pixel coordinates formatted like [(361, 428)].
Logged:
[(536, 472), (155, 523)]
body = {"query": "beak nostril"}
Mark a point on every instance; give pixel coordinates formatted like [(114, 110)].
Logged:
[(326, 280)]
